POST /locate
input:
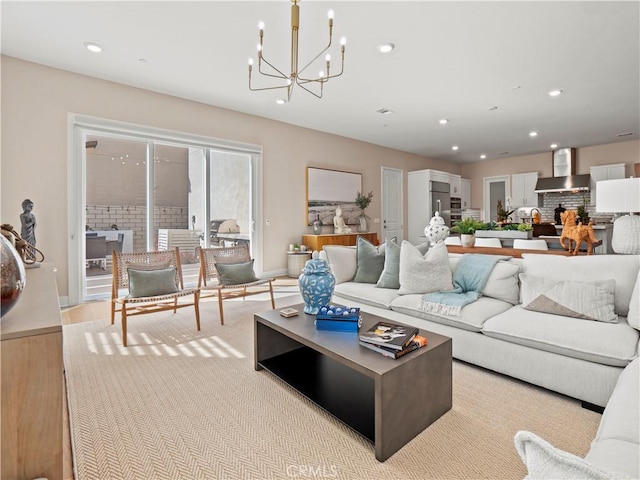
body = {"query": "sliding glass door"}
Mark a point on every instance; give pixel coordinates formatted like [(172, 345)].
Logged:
[(144, 192)]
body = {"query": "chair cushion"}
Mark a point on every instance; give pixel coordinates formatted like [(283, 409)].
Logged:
[(587, 300), (235, 273), (424, 274), (369, 261), (152, 283)]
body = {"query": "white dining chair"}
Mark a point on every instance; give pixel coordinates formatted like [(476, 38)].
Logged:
[(488, 242), (520, 243)]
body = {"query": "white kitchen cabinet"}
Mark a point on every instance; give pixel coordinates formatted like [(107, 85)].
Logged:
[(465, 193), (419, 209), (604, 172), (523, 187), (455, 181)]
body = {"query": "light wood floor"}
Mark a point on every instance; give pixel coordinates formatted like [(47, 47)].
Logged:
[(87, 312)]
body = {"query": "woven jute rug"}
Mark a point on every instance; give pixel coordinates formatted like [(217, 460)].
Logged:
[(182, 404)]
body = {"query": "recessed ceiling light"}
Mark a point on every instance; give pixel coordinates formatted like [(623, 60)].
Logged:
[(455, 147), (386, 47), (555, 93), (281, 101), (515, 87), (533, 134), (443, 121), (93, 47), (483, 156), (553, 145)]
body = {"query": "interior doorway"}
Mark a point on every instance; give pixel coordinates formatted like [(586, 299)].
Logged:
[(495, 188), (392, 210)]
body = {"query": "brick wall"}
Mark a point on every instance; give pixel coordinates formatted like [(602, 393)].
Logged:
[(570, 201), (129, 217)]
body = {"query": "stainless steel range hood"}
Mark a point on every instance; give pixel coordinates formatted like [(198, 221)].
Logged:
[(572, 183)]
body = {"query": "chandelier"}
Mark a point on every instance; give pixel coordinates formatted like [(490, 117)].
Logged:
[(313, 85)]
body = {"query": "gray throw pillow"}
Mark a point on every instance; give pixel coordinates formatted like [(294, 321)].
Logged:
[(588, 300), (235, 273), (151, 283), (390, 276), (369, 261)]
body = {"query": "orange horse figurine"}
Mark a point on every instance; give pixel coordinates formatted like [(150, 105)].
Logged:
[(576, 233)]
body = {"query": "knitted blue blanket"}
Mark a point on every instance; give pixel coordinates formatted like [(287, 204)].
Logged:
[(469, 280)]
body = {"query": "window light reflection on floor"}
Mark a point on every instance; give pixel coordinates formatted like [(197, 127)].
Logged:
[(141, 344)]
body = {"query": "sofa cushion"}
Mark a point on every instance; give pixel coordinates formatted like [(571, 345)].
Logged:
[(588, 268), (472, 316), (634, 306), (424, 274), (390, 276), (366, 293), (586, 300), (369, 261), (502, 283), (612, 344), (621, 417), (342, 261), (617, 455), (544, 461)]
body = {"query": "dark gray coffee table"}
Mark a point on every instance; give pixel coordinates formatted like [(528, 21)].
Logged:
[(387, 401)]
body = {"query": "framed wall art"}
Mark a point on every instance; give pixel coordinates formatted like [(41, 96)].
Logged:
[(326, 189)]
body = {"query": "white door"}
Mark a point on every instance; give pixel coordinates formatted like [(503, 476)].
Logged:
[(392, 212)]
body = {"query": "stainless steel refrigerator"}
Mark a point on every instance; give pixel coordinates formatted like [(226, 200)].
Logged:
[(441, 200)]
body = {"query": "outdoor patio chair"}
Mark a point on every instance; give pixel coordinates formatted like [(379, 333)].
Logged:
[(154, 284), (233, 269)]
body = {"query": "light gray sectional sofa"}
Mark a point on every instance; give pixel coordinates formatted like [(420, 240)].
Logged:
[(578, 357)]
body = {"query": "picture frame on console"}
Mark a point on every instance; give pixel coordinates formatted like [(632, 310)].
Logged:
[(328, 189)]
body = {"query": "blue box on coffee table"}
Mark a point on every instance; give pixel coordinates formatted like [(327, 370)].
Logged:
[(342, 319)]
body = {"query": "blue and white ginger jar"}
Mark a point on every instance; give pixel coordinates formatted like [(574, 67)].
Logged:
[(316, 285)]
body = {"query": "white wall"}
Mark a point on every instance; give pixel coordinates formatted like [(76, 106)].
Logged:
[(36, 101)]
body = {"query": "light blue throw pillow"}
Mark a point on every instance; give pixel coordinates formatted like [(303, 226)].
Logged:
[(151, 283), (369, 260), (390, 276)]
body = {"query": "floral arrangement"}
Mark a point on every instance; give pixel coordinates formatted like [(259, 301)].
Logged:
[(503, 215), (363, 201)]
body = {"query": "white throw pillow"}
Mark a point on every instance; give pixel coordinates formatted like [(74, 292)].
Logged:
[(587, 300), (424, 274), (544, 461), (342, 261)]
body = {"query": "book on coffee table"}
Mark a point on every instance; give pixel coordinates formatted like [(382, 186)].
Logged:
[(417, 342), (389, 335)]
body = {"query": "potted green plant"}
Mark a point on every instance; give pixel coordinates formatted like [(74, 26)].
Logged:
[(503, 214), (363, 201), (467, 228)]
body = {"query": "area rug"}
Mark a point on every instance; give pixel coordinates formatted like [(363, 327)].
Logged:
[(182, 404)]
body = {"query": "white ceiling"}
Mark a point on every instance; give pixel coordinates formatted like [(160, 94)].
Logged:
[(452, 60)]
